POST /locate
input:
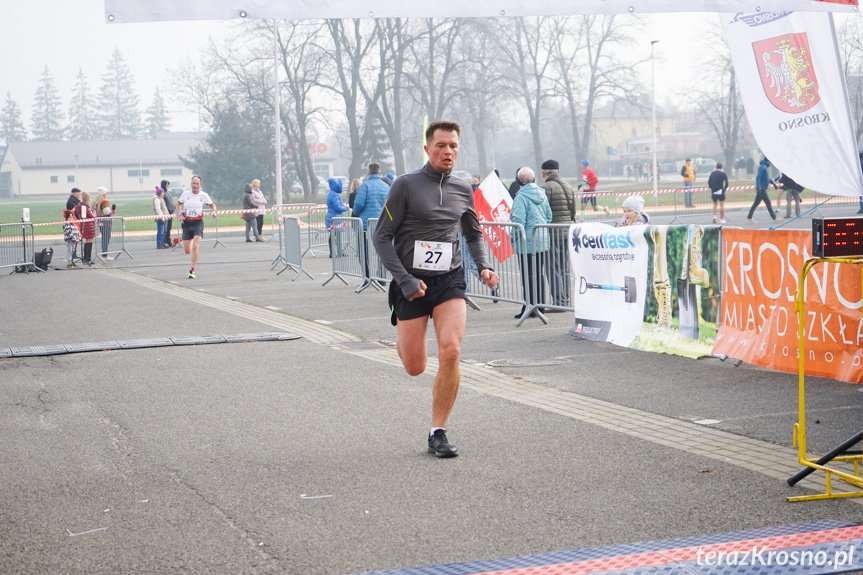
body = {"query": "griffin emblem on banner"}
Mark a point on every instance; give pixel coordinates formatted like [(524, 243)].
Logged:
[(787, 73)]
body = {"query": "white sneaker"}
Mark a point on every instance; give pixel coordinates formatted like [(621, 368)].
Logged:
[(751, 221), (777, 218), (714, 219), (723, 221)]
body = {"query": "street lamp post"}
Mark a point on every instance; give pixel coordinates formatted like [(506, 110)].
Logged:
[(277, 116), (653, 121), (77, 183)]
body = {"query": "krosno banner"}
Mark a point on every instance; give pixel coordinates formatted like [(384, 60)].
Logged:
[(758, 321), (794, 92), (153, 10)]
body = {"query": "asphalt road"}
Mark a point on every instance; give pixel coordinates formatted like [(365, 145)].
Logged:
[(305, 456)]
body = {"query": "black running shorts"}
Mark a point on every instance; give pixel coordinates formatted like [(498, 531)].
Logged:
[(718, 195), (439, 289), (192, 228)]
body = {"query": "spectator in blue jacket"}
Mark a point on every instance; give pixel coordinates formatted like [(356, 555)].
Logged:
[(762, 180), (335, 208), (531, 208), (371, 196), (370, 201)]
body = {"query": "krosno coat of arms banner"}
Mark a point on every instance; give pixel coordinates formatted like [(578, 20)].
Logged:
[(787, 73), (796, 101)]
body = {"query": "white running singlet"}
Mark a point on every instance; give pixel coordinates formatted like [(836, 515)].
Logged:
[(193, 204)]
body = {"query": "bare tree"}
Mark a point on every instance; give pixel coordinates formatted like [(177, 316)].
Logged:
[(239, 72), (721, 106), (592, 64), (437, 57), (851, 47), (385, 99), (303, 64), (524, 44), (352, 44), (485, 89)]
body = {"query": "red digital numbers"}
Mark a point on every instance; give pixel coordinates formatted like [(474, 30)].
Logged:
[(837, 237)]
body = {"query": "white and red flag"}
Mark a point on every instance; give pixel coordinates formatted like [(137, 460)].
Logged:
[(795, 96), (494, 204)]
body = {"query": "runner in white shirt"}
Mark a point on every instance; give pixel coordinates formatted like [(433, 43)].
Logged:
[(190, 212)]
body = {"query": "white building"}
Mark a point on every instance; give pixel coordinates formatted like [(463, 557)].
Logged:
[(29, 169)]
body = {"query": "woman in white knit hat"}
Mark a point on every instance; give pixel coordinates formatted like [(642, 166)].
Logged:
[(633, 214)]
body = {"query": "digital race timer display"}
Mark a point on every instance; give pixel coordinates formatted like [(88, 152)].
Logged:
[(837, 237)]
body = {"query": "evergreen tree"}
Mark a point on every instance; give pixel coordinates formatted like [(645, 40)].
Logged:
[(236, 150), (119, 117), (82, 116), (157, 116), (377, 145), (11, 127), (47, 121)]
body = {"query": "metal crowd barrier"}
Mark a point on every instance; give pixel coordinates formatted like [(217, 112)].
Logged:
[(317, 234), (211, 229), (279, 211), (17, 248), (605, 211), (552, 267), (112, 238), (378, 275), (348, 251), (513, 286), (701, 204), (290, 247), (837, 201)]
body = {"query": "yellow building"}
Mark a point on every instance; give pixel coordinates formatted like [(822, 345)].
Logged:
[(626, 129)]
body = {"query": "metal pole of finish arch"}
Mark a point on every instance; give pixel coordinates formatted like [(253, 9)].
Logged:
[(277, 116), (799, 437)]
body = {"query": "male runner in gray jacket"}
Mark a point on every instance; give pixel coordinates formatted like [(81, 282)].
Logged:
[(417, 238)]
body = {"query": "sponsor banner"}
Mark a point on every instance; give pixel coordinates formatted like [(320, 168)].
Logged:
[(494, 204), (653, 288), (794, 92), (153, 10), (759, 324)]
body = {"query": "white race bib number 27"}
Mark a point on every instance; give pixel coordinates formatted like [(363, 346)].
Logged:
[(433, 256)]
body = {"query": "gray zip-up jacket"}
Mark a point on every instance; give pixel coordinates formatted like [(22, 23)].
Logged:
[(426, 206)]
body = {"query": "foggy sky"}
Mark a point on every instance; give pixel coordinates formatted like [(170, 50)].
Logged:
[(67, 35)]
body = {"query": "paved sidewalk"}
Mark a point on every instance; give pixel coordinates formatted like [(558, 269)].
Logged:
[(308, 456)]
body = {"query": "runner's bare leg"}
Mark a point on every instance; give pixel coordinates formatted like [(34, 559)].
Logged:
[(411, 344), (450, 319)]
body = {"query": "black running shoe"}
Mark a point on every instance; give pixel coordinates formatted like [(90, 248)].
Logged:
[(439, 445)]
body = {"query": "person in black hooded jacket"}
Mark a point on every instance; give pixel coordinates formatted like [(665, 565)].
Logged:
[(515, 186), (169, 203)]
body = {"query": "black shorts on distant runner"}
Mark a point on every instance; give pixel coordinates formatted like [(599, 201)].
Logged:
[(439, 289), (718, 195), (192, 228)]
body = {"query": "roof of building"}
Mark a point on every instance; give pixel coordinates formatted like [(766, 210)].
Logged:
[(102, 153)]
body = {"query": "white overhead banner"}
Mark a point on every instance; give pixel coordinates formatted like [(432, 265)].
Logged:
[(795, 96), (153, 10)]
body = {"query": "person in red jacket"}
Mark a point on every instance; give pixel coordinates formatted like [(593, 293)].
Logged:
[(589, 185), (87, 217)]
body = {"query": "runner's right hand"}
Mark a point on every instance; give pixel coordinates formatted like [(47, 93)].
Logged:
[(420, 293)]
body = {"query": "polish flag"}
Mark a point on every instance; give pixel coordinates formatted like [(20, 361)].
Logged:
[(493, 204)]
